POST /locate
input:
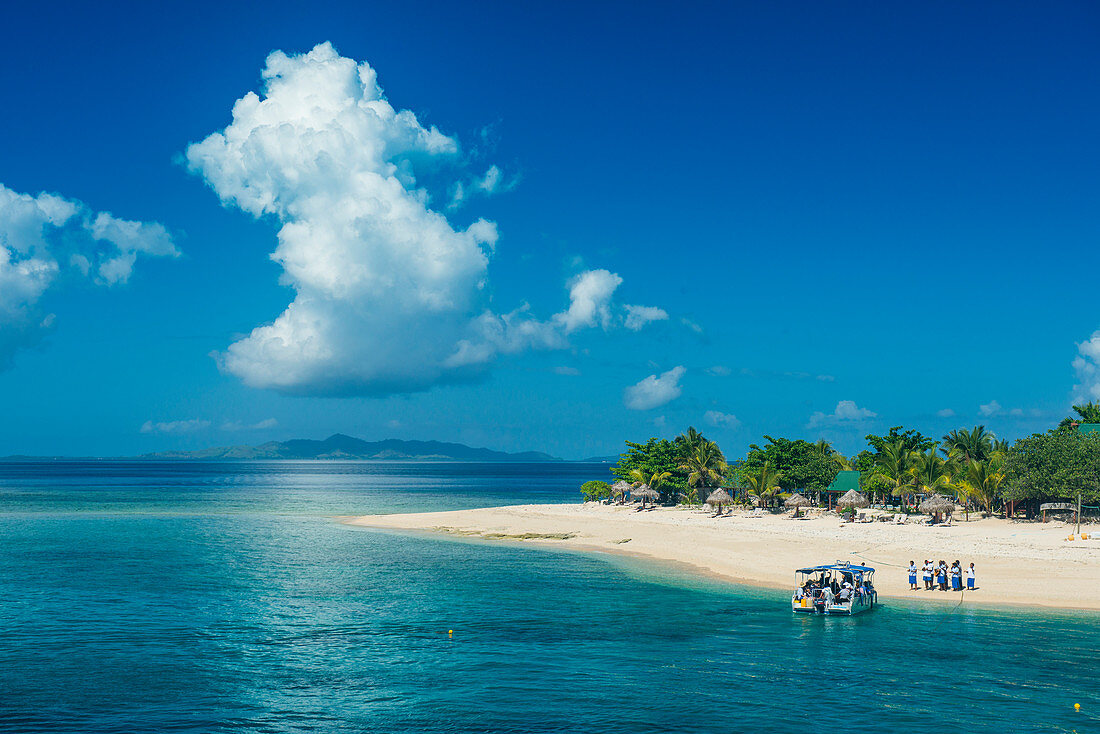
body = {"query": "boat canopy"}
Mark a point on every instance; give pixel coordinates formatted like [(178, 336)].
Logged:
[(836, 567)]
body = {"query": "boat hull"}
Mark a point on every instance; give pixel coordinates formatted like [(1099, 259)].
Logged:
[(857, 606)]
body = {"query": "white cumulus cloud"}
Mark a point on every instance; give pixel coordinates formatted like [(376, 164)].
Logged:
[(185, 426), (945, 413), (846, 411), (719, 419), (390, 296), (654, 391), (46, 237), (990, 409), (1087, 366), (638, 316), (258, 426)]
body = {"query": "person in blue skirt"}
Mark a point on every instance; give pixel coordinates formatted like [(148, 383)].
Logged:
[(912, 575), (970, 578), (956, 576)]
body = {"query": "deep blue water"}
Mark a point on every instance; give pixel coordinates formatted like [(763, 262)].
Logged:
[(208, 597)]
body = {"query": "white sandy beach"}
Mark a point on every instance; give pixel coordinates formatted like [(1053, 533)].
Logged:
[(1017, 562)]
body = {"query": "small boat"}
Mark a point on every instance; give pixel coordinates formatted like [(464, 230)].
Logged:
[(834, 589)]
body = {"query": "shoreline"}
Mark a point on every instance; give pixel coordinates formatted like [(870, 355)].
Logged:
[(1020, 565)]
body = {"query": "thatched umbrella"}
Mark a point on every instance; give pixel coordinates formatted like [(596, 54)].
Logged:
[(644, 492), (619, 489), (936, 504), (719, 497), (796, 501), (852, 498)]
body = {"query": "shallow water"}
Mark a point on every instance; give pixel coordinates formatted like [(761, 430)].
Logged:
[(222, 597)]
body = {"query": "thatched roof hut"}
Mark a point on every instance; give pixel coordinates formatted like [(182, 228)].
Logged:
[(936, 503), (643, 493), (852, 498), (719, 497), (620, 488), (796, 501)]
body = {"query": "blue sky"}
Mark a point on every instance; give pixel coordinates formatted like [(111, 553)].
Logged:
[(837, 219)]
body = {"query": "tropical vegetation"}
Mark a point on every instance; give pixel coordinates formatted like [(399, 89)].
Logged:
[(972, 465)]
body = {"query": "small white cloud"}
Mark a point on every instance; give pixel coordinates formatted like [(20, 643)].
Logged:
[(718, 371), (40, 233), (1087, 366), (990, 409), (638, 316), (945, 413), (660, 422), (691, 325), (567, 371), (258, 426), (719, 419), (654, 391), (846, 412), (490, 181), (589, 300), (187, 426), (1016, 412), (826, 378)]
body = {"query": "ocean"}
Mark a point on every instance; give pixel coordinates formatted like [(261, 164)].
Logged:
[(223, 597)]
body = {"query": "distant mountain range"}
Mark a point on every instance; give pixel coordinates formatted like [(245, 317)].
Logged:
[(340, 446)]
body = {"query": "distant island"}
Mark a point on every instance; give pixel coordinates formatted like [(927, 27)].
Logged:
[(339, 446)]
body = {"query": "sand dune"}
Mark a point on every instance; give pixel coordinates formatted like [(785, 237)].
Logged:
[(1017, 562)]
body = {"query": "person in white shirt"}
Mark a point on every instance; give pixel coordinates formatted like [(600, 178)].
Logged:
[(912, 576), (927, 575), (970, 578)]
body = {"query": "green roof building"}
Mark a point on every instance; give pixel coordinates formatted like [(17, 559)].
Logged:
[(845, 480)]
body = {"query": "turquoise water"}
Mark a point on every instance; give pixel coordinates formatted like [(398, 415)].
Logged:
[(222, 597)]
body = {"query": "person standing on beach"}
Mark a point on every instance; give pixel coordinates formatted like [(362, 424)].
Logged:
[(927, 575), (941, 575), (956, 576), (970, 578), (912, 575)]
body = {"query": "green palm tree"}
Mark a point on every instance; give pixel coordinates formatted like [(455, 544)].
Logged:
[(983, 479), (658, 479), (973, 445), (894, 464), (931, 472), (763, 483), (1087, 413), (692, 438), (705, 466), (842, 462)]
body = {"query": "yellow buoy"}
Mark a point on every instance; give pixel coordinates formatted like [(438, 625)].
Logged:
[(1076, 707)]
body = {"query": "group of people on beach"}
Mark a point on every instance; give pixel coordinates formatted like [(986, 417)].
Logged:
[(938, 575)]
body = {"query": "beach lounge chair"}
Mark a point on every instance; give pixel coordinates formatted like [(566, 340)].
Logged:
[(758, 512)]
